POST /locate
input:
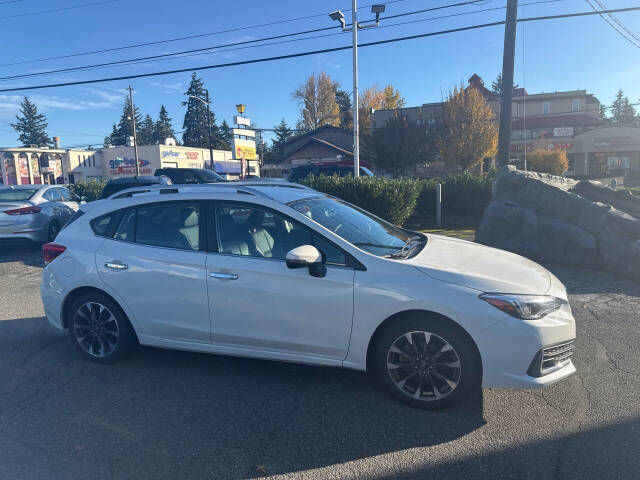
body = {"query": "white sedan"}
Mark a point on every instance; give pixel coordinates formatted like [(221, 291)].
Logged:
[(279, 271)]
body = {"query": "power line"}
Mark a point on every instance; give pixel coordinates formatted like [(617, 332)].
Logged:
[(53, 10), (613, 26), (188, 37), (187, 53), (617, 21), (315, 52), (10, 1)]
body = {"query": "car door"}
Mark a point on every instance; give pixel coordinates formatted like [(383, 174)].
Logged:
[(154, 258), (53, 206), (258, 303)]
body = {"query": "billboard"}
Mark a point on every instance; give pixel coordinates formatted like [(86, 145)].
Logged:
[(244, 149)]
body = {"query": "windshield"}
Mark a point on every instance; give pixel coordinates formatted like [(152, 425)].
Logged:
[(358, 227), (19, 195), (210, 175)]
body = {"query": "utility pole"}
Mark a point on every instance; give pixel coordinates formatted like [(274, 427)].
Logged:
[(356, 127), (210, 131), (506, 90), (135, 139)]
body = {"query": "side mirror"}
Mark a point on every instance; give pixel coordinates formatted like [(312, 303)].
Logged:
[(307, 256), (83, 200)]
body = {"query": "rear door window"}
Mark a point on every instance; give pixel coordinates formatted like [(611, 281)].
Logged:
[(52, 195), (172, 225)]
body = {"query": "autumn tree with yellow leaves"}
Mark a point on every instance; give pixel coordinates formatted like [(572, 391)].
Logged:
[(317, 100)]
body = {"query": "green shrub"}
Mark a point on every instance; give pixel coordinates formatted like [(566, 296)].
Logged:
[(463, 194), (394, 200), (89, 190)]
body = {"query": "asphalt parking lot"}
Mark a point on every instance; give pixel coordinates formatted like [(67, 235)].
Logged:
[(168, 414)]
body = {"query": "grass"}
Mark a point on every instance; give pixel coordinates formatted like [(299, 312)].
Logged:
[(457, 226), (634, 190)]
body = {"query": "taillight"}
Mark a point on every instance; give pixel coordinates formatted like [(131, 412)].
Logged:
[(51, 251), (23, 211)]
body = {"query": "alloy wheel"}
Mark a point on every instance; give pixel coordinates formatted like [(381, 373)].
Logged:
[(423, 366), (96, 329)]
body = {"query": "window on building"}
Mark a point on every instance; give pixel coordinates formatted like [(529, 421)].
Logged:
[(575, 105), (79, 160), (546, 108), (515, 110)]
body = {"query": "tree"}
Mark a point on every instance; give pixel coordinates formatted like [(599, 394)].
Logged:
[(496, 85), (548, 161), (121, 133), (107, 141), (375, 99), (112, 136), (225, 137), (163, 128), (467, 134), (146, 131), (195, 125), (317, 99), (282, 134), (343, 99), (399, 146), (31, 125), (622, 112)]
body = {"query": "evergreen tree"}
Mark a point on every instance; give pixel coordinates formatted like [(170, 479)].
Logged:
[(496, 85), (195, 125), (113, 136), (225, 137), (146, 131), (344, 105), (622, 112), (261, 147), (107, 141), (163, 129), (124, 130), (283, 134), (31, 125)]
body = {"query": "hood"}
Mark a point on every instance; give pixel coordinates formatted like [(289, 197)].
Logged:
[(482, 268)]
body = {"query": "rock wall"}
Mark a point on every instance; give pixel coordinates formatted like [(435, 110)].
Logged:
[(542, 217)]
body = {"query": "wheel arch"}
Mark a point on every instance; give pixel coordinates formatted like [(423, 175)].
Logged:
[(424, 314), (77, 292)]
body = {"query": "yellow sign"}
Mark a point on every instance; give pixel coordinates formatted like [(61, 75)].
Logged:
[(248, 153)]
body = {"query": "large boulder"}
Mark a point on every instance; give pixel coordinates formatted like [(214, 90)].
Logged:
[(547, 218)]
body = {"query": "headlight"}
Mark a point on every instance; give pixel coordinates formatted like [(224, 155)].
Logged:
[(526, 307)]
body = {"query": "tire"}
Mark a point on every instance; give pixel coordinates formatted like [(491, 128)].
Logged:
[(446, 371), (52, 232), (99, 329)]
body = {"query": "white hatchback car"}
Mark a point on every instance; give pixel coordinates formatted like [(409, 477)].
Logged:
[(279, 271)]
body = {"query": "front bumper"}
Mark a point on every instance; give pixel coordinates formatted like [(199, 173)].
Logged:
[(509, 348)]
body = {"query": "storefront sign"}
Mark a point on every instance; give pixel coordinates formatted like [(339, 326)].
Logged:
[(560, 146), (522, 147), (127, 166), (563, 132), (180, 154)]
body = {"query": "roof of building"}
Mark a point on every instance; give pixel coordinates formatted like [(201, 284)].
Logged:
[(336, 138)]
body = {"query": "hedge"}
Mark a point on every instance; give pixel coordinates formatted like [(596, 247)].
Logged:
[(463, 194), (393, 200), (89, 190)]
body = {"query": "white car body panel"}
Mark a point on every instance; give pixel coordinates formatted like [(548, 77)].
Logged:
[(277, 313)]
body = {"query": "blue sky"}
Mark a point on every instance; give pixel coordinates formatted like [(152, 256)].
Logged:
[(556, 55)]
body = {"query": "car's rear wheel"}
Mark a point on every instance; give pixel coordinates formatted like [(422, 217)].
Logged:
[(99, 328), (54, 230), (426, 362)]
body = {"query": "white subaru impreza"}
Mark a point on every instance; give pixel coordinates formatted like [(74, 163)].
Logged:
[(279, 271)]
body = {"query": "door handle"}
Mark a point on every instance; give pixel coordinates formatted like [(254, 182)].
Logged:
[(226, 276), (116, 266)]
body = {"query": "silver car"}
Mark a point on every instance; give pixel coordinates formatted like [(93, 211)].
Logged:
[(35, 212)]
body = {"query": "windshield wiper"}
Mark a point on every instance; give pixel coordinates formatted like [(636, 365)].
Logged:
[(410, 244), (367, 244)]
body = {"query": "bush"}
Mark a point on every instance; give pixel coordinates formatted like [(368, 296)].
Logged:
[(394, 200), (89, 190), (632, 179), (463, 194), (548, 161)]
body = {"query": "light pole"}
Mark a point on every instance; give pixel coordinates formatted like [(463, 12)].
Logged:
[(135, 139), (355, 26), (207, 102)]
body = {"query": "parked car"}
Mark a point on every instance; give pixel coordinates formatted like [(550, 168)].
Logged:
[(190, 175), (279, 271), (298, 173), (35, 212), (122, 183)]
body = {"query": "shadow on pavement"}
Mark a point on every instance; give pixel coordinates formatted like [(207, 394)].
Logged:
[(608, 452), (598, 281), (168, 414), (29, 253)]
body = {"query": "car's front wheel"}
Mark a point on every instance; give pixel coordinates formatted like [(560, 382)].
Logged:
[(426, 362), (99, 328)]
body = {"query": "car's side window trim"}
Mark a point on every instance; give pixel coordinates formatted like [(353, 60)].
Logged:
[(350, 262)]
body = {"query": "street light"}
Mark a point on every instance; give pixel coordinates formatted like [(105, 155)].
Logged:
[(208, 104), (241, 108), (338, 16)]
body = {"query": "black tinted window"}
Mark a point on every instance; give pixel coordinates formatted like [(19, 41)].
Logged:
[(127, 226), (102, 225), (169, 225)]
